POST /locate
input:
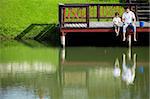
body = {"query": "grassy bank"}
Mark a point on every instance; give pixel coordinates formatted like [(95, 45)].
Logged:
[(17, 15)]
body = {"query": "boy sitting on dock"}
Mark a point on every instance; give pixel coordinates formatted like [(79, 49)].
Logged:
[(116, 22)]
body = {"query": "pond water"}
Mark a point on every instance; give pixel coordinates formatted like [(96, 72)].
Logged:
[(31, 70)]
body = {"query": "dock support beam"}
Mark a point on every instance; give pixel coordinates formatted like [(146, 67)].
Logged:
[(63, 55), (63, 41)]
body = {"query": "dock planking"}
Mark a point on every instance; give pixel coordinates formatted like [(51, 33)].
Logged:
[(99, 27)]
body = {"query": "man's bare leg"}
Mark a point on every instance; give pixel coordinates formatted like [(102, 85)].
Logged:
[(135, 36), (134, 27), (124, 36), (124, 60), (124, 31), (134, 61)]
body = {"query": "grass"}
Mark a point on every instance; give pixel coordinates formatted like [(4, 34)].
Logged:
[(16, 15)]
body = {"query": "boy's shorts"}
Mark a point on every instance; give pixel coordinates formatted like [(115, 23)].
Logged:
[(116, 26)]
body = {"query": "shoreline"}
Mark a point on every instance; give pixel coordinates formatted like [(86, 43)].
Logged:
[(3, 37)]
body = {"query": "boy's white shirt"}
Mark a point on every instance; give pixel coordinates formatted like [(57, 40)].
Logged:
[(128, 17), (116, 20)]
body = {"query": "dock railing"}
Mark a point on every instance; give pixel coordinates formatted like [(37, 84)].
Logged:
[(84, 13)]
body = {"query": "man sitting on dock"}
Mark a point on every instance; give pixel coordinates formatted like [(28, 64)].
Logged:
[(129, 20)]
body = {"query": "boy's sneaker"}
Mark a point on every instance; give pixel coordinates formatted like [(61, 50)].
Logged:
[(117, 34)]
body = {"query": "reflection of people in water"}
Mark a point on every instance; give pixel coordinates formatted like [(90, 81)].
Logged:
[(117, 68), (128, 68), (128, 72)]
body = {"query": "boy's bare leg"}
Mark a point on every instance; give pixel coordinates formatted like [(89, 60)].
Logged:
[(116, 32)]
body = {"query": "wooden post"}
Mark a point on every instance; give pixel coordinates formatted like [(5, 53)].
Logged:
[(63, 16), (60, 14), (63, 39), (136, 12), (87, 16), (63, 55), (98, 12)]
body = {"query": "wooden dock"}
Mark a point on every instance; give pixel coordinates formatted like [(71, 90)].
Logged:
[(98, 27), (97, 18)]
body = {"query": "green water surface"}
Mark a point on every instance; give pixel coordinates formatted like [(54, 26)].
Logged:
[(31, 70)]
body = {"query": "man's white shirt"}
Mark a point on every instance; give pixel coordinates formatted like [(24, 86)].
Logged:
[(128, 17)]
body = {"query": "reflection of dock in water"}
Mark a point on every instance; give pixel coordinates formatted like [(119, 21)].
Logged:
[(101, 58), (93, 82), (25, 67), (92, 78), (79, 77)]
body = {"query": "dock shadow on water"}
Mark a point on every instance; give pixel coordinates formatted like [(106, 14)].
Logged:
[(41, 72), (43, 33), (48, 34), (104, 39)]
